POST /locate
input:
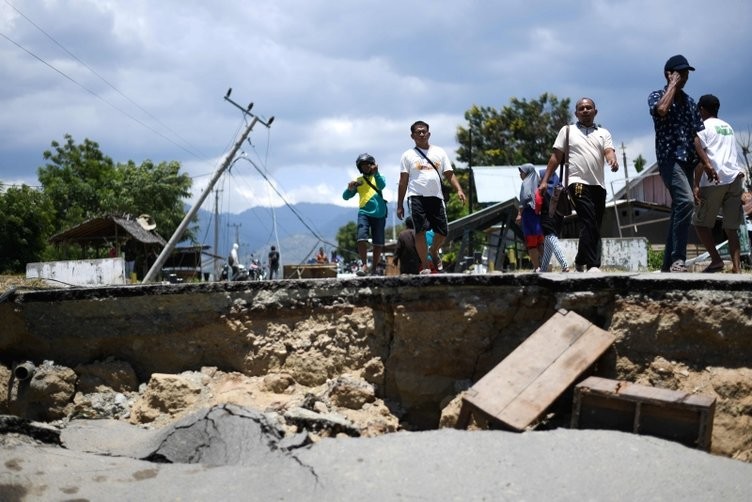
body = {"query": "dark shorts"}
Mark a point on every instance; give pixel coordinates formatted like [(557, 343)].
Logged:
[(377, 229), (428, 213)]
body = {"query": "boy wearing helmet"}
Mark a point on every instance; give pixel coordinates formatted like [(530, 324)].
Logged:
[(371, 209)]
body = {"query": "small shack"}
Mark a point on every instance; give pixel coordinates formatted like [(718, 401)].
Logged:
[(135, 238)]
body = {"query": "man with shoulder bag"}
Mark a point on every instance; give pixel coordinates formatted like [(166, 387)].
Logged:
[(421, 172), (589, 148), (372, 211)]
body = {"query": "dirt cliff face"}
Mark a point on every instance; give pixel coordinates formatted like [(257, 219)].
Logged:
[(415, 342)]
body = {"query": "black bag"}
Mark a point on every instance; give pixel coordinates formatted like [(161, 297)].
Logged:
[(561, 204), (446, 190)]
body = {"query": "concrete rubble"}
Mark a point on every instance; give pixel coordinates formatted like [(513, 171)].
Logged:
[(237, 454)]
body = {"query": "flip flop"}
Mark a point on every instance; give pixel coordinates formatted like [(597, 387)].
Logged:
[(711, 269)]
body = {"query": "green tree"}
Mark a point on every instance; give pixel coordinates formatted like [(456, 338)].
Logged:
[(156, 189), (83, 183), (79, 181), (25, 224), (455, 209), (521, 132), (639, 163), (347, 241)]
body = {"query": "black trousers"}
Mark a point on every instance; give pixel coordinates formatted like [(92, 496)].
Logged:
[(590, 203)]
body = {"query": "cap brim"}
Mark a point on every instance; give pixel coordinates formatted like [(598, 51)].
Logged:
[(682, 67)]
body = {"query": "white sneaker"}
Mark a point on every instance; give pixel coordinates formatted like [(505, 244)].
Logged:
[(678, 266), (594, 270)]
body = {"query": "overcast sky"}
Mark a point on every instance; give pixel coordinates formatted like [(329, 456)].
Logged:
[(146, 79)]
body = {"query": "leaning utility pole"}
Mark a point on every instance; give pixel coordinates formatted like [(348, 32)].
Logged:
[(170, 246)]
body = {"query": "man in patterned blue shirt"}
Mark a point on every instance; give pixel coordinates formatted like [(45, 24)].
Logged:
[(677, 148)]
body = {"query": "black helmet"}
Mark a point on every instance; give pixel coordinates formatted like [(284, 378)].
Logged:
[(364, 158)]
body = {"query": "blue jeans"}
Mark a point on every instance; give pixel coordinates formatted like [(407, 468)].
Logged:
[(676, 176)]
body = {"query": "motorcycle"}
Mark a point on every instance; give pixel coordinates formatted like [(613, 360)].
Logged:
[(256, 271), (241, 275)]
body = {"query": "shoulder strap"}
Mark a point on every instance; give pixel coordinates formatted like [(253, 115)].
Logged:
[(564, 166), (429, 161), (372, 186)]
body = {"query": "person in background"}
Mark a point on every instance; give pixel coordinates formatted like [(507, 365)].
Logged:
[(677, 121), (371, 211), (405, 254), (234, 262), (551, 228), (590, 148), (273, 262), (421, 172), (321, 256), (719, 187), (528, 215)]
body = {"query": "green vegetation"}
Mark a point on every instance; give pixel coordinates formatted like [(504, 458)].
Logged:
[(78, 183)]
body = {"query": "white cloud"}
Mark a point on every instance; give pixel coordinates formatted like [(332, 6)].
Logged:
[(340, 78)]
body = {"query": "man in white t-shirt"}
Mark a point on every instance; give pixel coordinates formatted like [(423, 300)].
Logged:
[(590, 147), (718, 187), (421, 169)]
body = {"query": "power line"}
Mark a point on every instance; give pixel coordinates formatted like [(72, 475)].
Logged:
[(112, 86), (135, 119), (314, 232)]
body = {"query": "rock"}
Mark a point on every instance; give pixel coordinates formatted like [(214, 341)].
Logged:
[(330, 424), (116, 375), (45, 395), (167, 395), (277, 382), (348, 392)]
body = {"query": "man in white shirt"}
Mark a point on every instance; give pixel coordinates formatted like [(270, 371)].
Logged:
[(718, 187), (590, 147), (421, 170)]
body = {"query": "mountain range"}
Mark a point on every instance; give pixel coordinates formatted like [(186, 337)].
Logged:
[(300, 230)]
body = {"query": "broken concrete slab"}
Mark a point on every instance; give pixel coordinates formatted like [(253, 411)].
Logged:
[(221, 435), (447, 464)]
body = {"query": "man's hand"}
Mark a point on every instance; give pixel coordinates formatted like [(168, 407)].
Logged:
[(400, 212), (461, 196), (711, 173), (674, 77), (696, 193)]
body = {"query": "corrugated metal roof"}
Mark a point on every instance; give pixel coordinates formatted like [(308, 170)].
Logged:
[(108, 229)]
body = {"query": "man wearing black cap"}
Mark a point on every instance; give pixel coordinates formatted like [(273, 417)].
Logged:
[(677, 122), (371, 212), (718, 188)]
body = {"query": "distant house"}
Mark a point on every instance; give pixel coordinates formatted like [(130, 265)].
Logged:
[(111, 235), (642, 208)]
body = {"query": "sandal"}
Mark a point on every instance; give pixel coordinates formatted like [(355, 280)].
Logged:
[(711, 269)]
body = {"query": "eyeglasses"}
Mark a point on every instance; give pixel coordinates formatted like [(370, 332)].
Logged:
[(420, 132)]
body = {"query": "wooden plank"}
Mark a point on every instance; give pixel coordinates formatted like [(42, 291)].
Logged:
[(522, 386), (558, 376)]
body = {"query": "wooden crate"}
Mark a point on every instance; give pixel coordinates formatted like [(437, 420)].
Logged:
[(520, 388), (600, 403), (309, 271)]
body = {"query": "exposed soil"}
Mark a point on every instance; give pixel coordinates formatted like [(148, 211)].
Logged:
[(732, 388)]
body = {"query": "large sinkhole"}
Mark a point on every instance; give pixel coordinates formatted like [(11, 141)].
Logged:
[(365, 356)]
